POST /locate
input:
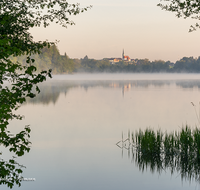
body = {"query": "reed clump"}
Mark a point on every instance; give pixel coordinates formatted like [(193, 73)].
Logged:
[(177, 151), (185, 142)]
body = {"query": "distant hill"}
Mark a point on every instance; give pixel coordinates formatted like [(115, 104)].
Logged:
[(50, 58)]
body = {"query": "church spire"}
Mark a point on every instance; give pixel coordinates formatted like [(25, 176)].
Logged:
[(123, 55)]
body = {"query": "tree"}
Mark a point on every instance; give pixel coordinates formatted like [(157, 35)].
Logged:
[(16, 18), (185, 9)]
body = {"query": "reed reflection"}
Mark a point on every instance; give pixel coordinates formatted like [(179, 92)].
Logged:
[(157, 151)]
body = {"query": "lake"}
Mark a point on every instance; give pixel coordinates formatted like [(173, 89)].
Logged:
[(77, 120)]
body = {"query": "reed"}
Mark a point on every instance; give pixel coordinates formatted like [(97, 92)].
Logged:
[(177, 151), (184, 142)]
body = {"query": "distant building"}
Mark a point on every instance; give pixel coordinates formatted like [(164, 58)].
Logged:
[(114, 60), (125, 57), (133, 61)]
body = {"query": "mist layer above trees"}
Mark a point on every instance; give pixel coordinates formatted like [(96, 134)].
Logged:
[(50, 58)]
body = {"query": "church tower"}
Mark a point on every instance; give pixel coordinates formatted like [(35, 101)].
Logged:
[(123, 55)]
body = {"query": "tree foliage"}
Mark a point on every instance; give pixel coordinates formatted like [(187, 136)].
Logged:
[(17, 81), (62, 64), (49, 58), (183, 8)]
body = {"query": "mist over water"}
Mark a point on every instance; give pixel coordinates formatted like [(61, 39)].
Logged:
[(77, 120), (127, 76)]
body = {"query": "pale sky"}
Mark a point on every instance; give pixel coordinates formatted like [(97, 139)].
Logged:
[(139, 27)]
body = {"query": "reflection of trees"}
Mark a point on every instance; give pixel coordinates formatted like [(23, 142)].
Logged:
[(49, 94), (51, 90), (188, 84), (176, 152)]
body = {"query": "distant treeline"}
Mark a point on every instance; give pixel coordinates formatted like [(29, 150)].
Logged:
[(50, 58)]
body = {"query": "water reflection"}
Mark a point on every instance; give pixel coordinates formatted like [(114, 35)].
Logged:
[(177, 152), (51, 90), (74, 134)]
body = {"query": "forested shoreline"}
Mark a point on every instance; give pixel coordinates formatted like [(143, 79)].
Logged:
[(50, 58)]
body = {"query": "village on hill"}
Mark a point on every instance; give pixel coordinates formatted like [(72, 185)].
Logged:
[(124, 58), (60, 64)]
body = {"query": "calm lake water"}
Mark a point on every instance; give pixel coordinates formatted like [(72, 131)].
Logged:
[(77, 120)]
